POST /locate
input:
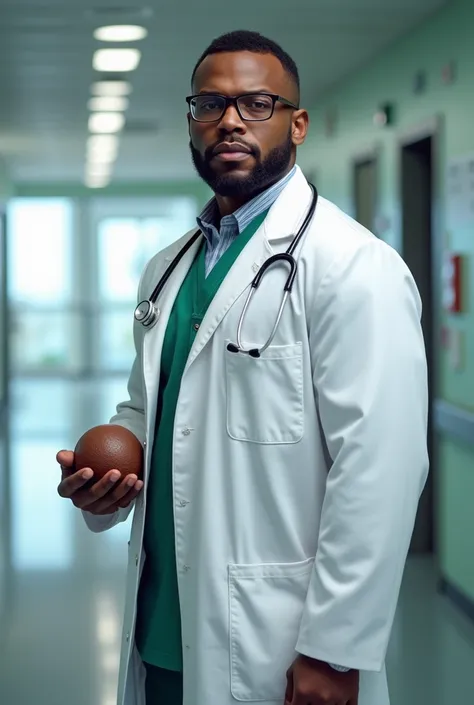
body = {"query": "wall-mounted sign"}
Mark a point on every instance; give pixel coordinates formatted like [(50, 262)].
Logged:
[(448, 73), (460, 192)]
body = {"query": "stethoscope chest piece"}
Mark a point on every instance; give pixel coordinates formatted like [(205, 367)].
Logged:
[(147, 313)]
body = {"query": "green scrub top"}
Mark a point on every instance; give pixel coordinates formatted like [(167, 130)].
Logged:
[(158, 629)]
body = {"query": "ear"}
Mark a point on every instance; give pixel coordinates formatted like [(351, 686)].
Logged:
[(300, 126)]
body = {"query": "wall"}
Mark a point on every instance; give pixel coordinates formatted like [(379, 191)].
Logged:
[(446, 36), (194, 187), (6, 190)]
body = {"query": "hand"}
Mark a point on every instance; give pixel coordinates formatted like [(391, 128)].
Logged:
[(312, 682), (105, 497)]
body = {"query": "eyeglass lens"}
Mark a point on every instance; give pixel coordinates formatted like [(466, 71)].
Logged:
[(209, 108)]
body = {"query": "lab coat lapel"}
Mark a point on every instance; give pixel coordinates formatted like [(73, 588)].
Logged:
[(154, 338), (281, 223)]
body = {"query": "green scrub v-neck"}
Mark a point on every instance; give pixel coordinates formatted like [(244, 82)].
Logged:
[(158, 630)]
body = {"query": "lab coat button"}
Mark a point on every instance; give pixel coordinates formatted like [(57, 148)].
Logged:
[(186, 431), (127, 637), (136, 560), (196, 326), (183, 503), (186, 568)]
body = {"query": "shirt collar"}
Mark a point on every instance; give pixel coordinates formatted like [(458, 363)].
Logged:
[(208, 220)]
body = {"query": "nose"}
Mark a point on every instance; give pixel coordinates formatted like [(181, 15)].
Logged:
[(231, 121)]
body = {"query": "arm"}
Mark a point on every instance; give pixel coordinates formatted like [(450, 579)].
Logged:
[(370, 382), (131, 415)]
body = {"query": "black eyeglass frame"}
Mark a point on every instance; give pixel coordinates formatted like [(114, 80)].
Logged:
[(233, 100)]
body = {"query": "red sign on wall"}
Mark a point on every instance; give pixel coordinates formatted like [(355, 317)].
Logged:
[(452, 283)]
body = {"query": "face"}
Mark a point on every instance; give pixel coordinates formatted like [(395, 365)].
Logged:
[(268, 147)]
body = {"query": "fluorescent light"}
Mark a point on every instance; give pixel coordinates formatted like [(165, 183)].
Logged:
[(101, 152), (116, 59), (108, 103), (106, 123), (96, 181), (98, 170), (111, 88), (120, 33), (104, 144)]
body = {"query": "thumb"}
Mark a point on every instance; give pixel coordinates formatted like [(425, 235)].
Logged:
[(65, 458)]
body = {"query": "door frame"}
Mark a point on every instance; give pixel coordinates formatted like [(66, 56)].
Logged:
[(369, 152), (434, 128)]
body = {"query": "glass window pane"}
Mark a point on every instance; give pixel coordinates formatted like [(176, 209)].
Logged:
[(122, 245), (117, 349), (45, 340), (39, 250)]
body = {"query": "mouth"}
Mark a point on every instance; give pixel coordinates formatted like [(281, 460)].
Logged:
[(231, 152)]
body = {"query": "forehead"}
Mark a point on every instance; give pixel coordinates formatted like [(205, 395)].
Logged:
[(242, 72)]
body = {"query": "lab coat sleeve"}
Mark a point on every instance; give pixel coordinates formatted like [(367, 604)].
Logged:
[(131, 415), (370, 383)]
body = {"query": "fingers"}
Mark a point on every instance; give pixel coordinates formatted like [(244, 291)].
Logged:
[(65, 458), (71, 484), (118, 497)]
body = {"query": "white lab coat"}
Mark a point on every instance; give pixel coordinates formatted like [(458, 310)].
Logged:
[(296, 476)]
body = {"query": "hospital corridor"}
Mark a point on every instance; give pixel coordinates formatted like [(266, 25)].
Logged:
[(119, 139)]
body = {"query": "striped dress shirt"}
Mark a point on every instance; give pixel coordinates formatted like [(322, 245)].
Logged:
[(220, 237)]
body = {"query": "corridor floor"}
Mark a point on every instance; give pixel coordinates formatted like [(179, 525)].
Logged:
[(62, 588)]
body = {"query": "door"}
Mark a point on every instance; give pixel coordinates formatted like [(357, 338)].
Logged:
[(417, 209), (365, 192)]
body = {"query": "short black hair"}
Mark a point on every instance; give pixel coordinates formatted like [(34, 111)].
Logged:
[(243, 40)]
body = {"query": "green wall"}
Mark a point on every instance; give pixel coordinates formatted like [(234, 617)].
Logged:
[(445, 37)]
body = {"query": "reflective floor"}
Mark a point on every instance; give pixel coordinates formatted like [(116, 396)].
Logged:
[(61, 587)]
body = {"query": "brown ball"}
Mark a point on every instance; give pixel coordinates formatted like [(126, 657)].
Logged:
[(109, 447)]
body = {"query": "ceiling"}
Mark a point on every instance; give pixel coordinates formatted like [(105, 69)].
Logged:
[(46, 70)]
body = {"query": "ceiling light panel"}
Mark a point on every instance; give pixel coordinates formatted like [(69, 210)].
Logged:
[(108, 104), (111, 89), (106, 123), (116, 60), (96, 181), (120, 33)]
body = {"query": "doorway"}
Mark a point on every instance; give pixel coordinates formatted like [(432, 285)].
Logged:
[(365, 192), (417, 250)]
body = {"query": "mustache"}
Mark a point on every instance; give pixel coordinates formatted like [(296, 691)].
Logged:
[(209, 153)]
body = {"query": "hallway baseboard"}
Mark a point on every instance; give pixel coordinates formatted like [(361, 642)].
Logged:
[(457, 596)]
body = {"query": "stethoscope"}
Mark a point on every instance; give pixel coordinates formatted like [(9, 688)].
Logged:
[(147, 312)]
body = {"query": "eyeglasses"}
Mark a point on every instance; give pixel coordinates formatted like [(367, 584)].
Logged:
[(250, 106)]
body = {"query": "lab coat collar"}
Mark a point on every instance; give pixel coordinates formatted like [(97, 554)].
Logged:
[(289, 210), (282, 221)]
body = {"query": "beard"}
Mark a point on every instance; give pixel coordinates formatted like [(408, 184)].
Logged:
[(265, 172)]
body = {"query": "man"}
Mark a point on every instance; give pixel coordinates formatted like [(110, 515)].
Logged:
[(280, 492)]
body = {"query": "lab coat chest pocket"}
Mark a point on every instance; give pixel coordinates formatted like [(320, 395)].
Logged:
[(266, 605), (265, 395)]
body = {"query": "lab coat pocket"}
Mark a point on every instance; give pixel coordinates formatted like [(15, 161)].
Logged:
[(266, 605), (265, 395)]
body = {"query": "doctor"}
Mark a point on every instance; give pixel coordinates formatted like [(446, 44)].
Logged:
[(280, 491)]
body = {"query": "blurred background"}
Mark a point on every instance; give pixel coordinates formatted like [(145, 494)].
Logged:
[(95, 177)]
